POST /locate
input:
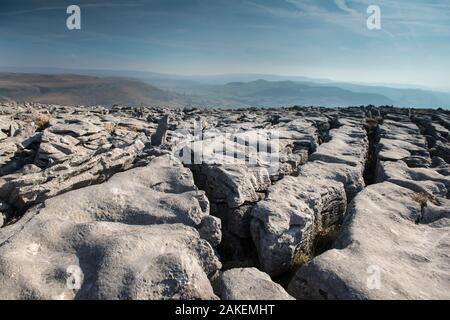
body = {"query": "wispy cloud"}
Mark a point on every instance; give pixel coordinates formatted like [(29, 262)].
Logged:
[(341, 4), (413, 18), (51, 8)]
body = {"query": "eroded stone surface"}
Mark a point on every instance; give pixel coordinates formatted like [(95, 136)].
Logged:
[(103, 191), (249, 284), (382, 253), (131, 237), (293, 212)]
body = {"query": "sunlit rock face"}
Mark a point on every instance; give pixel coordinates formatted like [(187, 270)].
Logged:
[(166, 203)]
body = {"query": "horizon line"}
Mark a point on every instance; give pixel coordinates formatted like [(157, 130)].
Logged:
[(308, 78)]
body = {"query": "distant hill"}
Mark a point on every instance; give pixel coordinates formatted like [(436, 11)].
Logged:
[(107, 87), (405, 97), (262, 93), (68, 89), (267, 93)]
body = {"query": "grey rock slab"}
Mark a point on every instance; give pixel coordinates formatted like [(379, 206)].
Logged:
[(234, 185), (131, 237), (293, 212), (210, 229), (155, 194), (249, 284), (382, 253), (348, 145), (74, 173), (159, 137), (402, 141), (56, 148), (417, 179), (351, 177), (441, 149), (62, 259)]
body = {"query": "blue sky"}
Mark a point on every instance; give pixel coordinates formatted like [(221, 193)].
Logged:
[(321, 38)]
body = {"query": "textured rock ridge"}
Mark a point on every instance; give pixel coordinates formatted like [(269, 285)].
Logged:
[(160, 203)]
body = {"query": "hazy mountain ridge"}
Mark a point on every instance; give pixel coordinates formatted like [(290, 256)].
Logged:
[(266, 93), (109, 87), (69, 89)]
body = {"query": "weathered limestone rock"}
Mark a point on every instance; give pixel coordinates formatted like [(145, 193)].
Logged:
[(155, 194), (249, 284), (233, 185), (109, 214), (159, 137), (105, 260), (8, 148), (348, 145), (99, 231), (351, 177), (382, 252), (293, 212), (55, 149), (441, 149), (437, 135), (402, 141), (342, 158), (211, 230), (417, 179), (74, 173)]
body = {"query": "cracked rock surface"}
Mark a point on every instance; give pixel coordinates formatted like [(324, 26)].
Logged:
[(163, 203)]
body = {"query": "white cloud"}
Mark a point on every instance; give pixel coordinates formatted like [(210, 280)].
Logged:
[(341, 4)]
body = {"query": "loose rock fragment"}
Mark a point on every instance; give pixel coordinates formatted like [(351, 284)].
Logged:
[(249, 284)]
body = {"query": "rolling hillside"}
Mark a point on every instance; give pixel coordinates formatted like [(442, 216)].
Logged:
[(82, 90)]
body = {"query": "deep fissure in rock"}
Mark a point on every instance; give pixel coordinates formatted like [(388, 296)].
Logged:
[(234, 251), (372, 127), (240, 251), (325, 239)]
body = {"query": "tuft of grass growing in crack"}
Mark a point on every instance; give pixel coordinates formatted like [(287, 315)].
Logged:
[(300, 258), (325, 238), (42, 121), (423, 198)]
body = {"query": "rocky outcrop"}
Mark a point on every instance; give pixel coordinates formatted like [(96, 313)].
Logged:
[(297, 209), (236, 163), (26, 190), (402, 141), (426, 180), (382, 253), (233, 185), (159, 137), (405, 214), (69, 138), (249, 284), (162, 203), (436, 130), (294, 211), (132, 237), (105, 260)]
